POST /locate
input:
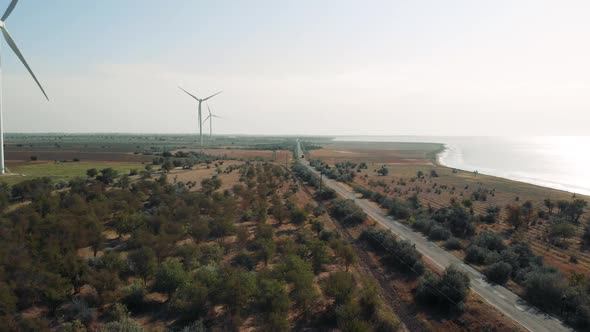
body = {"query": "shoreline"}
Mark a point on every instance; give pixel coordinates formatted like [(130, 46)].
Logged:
[(535, 182)]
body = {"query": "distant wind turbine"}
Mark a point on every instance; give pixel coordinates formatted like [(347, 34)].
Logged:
[(200, 117), (210, 118), (15, 49)]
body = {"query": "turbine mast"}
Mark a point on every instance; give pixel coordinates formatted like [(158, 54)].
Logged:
[(200, 124)]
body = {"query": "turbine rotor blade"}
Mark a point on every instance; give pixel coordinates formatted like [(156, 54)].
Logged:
[(208, 108), (216, 116), (212, 96), (13, 46), (9, 10), (188, 93)]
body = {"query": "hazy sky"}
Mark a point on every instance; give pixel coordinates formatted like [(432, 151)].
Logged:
[(302, 67)]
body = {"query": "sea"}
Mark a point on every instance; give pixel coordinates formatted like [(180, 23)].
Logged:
[(559, 162)]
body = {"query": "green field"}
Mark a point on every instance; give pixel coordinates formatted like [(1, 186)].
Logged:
[(62, 171)]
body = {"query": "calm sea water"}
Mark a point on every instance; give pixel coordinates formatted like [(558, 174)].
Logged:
[(560, 162)]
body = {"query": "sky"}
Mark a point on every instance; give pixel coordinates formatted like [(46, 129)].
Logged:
[(331, 67)]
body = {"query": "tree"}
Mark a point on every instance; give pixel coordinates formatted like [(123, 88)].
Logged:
[(544, 287), (210, 185), (575, 209), (347, 255), (383, 171), (499, 272), (170, 276), (239, 288), (92, 172), (273, 303), (108, 175), (492, 213), (347, 212), (444, 292), (267, 249), (340, 286), (319, 255), (298, 216), (561, 230), (143, 262), (317, 226), (95, 236), (549, 204), (514, 216), (299, 272)]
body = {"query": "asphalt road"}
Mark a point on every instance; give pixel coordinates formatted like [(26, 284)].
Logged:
[(501, 298)]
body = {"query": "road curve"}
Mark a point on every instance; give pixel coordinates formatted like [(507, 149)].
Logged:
[(498, 296)]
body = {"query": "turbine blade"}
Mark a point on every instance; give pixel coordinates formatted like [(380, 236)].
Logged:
[(212, 96), (208, 108), (216, 116), (188, 93), (12, 45), (9, 10)]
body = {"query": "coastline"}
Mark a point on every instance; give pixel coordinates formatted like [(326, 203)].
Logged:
[(439, 161)]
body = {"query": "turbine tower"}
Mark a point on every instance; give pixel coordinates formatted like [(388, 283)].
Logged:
[(210, 118), (200, 116), (15, 49)]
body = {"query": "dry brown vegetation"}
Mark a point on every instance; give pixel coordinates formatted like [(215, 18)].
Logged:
[(438, 192), (398, 290)]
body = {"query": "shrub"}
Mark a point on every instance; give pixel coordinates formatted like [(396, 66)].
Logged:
[(522, 259), (499, 272), (453, 244), (422, 225), (134, 296), (456, 219), (544, 287), (244, 260), (402, 254), (438, 233), (399, 209), (489, 241), (476, 255), (340, 286), (347, 212), (170, 276), (444, 292)]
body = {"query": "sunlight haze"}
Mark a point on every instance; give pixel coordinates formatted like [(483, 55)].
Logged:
[(302, 67)]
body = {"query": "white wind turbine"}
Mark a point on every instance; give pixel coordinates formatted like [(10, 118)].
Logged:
[(14, 48), (210, 118), (200, 116)]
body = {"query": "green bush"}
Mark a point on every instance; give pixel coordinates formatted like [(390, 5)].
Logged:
[(544, 287), (453, 244), (340, 286), (402, 254), (499, 272), (444, 292), (347, 212), (438, 233), (476, 255), (422, 225), (490, 241)]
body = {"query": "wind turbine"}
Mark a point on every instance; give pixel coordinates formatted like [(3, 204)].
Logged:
[(210, 118), (15, 49), (200, 116)]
